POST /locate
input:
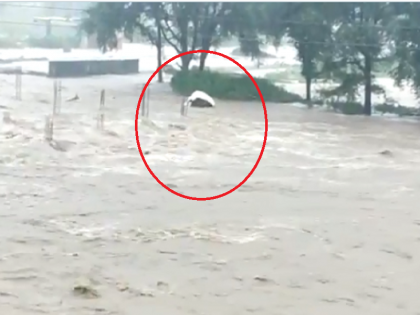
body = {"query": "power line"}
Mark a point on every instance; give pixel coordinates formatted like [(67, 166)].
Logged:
[(320, 43), (229, 18), (310, 42)]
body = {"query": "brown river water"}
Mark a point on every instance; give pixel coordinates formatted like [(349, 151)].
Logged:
[(326, 224)]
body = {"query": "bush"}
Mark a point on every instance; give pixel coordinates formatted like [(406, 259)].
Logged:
[(229, 86), (397, 110), (355, 108), (347, 108)]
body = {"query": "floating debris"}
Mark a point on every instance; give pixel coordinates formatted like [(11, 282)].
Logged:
[(7, 118), (122, 287), (62, 145), (74, 98), (262, 279), (85, 289), (177, 126), (386, 153), (111, 133)]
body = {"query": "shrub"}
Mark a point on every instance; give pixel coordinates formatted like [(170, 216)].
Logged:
[(347, 108), (399, 110), (355, 108), (229, 86)]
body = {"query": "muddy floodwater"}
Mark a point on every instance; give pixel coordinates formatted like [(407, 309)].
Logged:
[(327, 224)]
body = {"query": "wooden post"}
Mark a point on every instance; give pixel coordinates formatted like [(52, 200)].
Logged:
[(101, 115), (57, 97), (184, 107), (145, 103), (6, 117), (49, 128)]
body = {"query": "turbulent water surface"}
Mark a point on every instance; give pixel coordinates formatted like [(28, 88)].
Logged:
[(327, 224)]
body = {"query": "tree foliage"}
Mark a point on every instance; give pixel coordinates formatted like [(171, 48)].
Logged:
[(344, 42), (184, 26), (358, 44), (405, 35), (311, 32)]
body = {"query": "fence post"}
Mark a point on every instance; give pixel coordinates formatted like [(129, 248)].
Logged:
[(184, 107), (57, 97), (6, 117), (49, 128), (18, 84), (145, 102), (101, 113)]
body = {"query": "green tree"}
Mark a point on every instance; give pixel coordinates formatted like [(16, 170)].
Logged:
[(311, 32), (194, 25), (214, 17), (359, 42), (246, 23), (405, 35), (105, 19), (184, 26), (146, 17), (257, 24)]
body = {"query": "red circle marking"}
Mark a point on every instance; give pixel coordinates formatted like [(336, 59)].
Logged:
[(265, 129)]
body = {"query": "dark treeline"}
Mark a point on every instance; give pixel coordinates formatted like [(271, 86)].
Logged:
[(344, 42)]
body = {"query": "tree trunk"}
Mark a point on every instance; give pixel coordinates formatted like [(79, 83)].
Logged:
[(159, 50), (185, 62), (205, 45), (202, 61), (368, 86), (308, 80), (307, 71)]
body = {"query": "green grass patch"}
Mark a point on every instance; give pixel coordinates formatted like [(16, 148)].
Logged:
[(346, 108), (230, 86), (356, 108)]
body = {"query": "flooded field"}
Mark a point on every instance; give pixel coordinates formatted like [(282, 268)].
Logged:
[(326, 224)]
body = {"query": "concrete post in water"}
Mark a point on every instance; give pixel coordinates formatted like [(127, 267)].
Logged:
[(57, 97), (18, 84), (49, 128), (145, 103), (184, 107), (6, 118), (101, 115)]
